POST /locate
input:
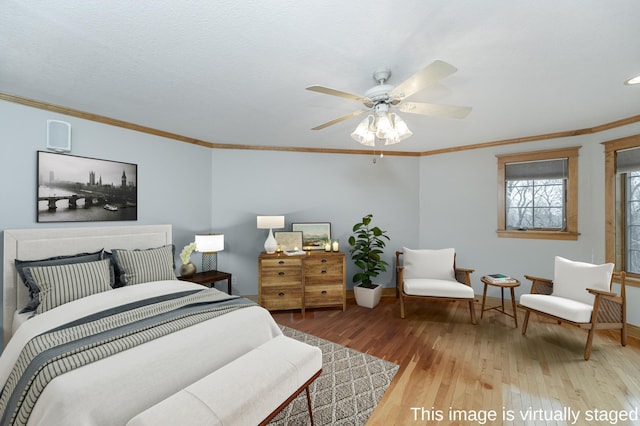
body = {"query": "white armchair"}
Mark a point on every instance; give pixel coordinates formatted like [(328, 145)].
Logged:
[(580, 294), (432, 274)]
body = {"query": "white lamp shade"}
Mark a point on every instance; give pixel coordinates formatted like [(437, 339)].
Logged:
[(402, 130), (209, 243), (270, 222), (383, 126)]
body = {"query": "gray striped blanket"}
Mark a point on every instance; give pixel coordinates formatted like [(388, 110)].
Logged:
[(100, 335)]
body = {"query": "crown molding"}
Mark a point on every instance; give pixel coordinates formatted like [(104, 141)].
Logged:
[(213, 145)]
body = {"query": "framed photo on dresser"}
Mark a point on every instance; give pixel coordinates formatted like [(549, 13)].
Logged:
[(289, 241), (314, 234)]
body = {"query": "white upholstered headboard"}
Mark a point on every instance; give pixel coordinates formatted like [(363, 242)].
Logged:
[(32, 244)]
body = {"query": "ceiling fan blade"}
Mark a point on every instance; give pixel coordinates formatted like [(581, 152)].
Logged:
[(339, 119), (433, 72), (334, 92), (449, 111)]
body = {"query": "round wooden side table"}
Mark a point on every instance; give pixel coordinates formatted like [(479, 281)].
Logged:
[(500, 308)]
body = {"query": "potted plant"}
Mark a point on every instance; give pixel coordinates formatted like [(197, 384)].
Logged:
[(367, 244)]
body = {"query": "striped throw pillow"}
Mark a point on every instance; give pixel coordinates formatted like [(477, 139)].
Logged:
[(60, 284), (58, 260), (143, 266)]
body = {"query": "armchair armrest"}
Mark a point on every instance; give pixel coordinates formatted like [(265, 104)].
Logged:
[(463, 275), (609, 308), (540, 285), (597, 292)]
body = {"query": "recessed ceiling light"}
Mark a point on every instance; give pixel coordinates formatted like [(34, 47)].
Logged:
[(633, 80)]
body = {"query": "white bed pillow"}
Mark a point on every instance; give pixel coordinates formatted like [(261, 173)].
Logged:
[(571, 279), (143, 266), (426, 263), (60, 284)]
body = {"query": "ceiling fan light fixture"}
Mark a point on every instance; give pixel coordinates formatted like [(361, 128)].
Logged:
[(401, 128), (633, 80), (389, 127), (391, 140), (384, 128), (363, 133), (382, 124)]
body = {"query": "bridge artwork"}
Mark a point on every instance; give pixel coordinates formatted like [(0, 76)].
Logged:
[(90, 198)]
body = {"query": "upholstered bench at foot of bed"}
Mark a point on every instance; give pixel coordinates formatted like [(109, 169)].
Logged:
[(247, 391)]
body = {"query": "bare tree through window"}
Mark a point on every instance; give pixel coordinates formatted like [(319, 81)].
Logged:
[(633, 221), (538, 194), (535, 204)]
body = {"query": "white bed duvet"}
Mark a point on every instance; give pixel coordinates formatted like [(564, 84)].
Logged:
[(113, 390)]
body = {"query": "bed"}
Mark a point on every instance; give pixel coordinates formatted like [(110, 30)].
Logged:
[(141, 373)]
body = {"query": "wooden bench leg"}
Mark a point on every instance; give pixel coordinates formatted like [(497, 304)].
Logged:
[(309, 404)]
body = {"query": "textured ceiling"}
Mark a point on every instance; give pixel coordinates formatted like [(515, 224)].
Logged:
[(235, 72)]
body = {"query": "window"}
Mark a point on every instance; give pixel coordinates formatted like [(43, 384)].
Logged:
[(538, 194), (622, 205)]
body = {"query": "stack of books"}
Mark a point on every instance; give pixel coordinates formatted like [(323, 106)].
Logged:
[(499, 279)]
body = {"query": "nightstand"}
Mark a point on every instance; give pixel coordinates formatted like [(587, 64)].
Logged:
[(209, 277)]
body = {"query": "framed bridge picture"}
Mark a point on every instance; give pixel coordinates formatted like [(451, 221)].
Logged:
[(83, 189)]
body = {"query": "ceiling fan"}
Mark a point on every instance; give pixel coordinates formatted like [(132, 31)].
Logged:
[(382, 123)]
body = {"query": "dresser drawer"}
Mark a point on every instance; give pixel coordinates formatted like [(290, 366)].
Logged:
[(281, 298), (323, 295), (281, 276), (331, 266), (324, 275), (323, 260), (281, 262)]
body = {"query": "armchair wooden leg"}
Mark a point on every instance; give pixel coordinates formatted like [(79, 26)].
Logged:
[(623, 334), (587, 349), (401, 306), (526, 321)]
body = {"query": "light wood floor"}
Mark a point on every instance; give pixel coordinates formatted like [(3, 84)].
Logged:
[(448, 364)]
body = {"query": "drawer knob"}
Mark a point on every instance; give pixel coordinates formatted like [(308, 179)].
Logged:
[(324, 261), (324, 271), (281, 294), (281, 273), (324, 292), (281, 262)]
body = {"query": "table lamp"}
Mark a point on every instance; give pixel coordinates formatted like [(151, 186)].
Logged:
[(270, 223), (209, 245)]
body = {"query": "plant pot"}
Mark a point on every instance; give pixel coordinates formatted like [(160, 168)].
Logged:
[(367, 297)]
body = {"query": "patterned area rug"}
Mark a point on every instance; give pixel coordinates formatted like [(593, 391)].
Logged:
[(348, 390)]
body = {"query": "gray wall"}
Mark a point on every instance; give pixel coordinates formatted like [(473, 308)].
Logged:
[(304, 187), (174, 183), (446, 200), (460, 211)]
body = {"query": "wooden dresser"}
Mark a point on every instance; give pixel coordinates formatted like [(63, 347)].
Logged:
[(315, 279)]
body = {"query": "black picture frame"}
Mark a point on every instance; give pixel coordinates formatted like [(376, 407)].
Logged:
[(314, 234), (71, 188)]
